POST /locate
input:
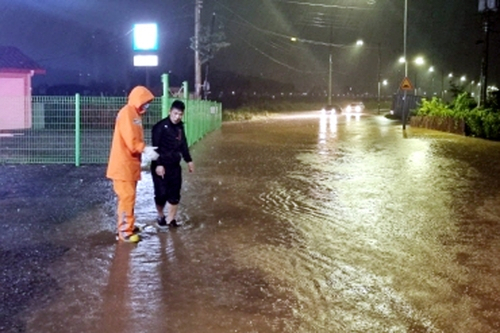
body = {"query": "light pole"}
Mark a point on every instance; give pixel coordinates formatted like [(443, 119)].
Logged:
[(330, 71), (442, 84), (330, 79), (405, 34), (418, 61), (431, 70), (378, 79), (197, 61), (330, 66), (405, 103)]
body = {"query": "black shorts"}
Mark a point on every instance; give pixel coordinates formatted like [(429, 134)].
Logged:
[(168, 188)]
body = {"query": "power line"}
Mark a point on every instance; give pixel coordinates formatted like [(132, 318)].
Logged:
[(321, 5), (280, 62), (288, 37)]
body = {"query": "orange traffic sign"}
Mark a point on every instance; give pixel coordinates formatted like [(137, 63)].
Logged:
[(406, 84)]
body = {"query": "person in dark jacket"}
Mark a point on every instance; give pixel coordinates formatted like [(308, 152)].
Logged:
[(170, 138)]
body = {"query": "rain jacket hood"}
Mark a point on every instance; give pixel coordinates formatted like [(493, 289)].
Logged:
[(139, 96)]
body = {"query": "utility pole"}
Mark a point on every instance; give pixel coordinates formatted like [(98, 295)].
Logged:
[(405, 33), (486, 7), (378, 79), (206, 84), (330, 70), (197, 61), (484, 61), (330, 79), (442, 84)]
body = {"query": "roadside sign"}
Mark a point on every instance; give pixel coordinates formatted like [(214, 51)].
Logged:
[(406, 84)]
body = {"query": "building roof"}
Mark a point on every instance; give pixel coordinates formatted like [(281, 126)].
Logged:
[(13, 60)]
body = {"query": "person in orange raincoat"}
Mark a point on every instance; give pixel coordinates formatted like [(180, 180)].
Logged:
[(124, 166)]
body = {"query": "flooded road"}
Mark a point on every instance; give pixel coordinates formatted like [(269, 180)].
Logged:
[(300, 223)]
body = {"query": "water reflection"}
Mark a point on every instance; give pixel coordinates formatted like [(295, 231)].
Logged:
[(115, 309), (333, 124), (327, 121), (355, 116)]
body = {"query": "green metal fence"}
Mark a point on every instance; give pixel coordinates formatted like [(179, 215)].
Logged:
[(78, 129)]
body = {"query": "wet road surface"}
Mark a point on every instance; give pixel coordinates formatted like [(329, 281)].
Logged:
[(301, 223)]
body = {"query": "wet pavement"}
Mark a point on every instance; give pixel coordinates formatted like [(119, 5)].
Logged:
[(300, 223)]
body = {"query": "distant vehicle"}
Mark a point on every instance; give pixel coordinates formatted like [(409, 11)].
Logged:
[(333, 109), (356, 107)]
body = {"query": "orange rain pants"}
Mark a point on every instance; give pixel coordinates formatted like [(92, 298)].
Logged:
[(125, 192)]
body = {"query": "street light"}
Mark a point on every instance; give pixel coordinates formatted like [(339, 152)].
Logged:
[(431, 70), (419, 61)]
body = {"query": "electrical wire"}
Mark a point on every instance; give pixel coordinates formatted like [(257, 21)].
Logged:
[(273, 33), (278, 61), (310, 4)]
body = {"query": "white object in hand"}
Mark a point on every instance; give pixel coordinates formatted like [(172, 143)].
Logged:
[(150, 154)]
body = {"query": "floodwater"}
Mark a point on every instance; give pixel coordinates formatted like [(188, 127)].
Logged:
[(300, 223)]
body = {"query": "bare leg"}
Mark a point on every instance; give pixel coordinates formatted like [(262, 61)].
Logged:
[(172, 212), (159, 209)]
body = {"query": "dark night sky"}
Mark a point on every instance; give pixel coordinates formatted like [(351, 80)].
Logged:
[(92, 37)]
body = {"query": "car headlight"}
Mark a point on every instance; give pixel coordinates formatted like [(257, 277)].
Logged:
[(348, 108), (358, 108)]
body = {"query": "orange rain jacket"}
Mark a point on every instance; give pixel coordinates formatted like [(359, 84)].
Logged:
[(128, 138)]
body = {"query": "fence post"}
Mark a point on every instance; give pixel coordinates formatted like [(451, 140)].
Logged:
[(187, 113), (77, 130), (166, 94), (185, 90)]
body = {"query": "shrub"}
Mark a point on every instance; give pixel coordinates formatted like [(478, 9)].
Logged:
[(434, 107), (479, 122), (464, 102)]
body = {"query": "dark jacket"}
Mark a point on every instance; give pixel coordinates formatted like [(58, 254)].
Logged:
[(171, 142)]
